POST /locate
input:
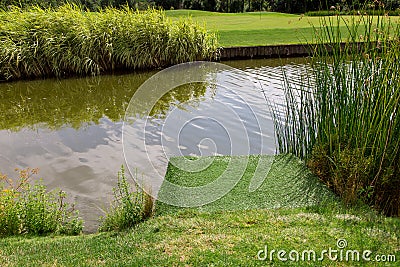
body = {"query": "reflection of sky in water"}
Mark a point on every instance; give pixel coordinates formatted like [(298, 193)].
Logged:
[(90, 136), (208, 133), (24, 147), (221, 119), (232, 119), (84, 160)]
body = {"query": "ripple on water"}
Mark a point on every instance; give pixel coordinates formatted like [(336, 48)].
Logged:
[(72, 129)]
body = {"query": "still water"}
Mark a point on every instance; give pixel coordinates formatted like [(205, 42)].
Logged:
[(72, 129)]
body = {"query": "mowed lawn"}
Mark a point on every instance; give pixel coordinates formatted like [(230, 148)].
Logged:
[(283, 181), (260, 28), (240, 229), (191, 238)]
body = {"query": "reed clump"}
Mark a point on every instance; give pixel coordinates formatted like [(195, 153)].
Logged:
[(343, 118), (69, 41)]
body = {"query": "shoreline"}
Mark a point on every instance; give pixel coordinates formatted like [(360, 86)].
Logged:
[(265, 51), (226, 54), (279, 51)]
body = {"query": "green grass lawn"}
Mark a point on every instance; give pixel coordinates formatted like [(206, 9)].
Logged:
[(190, 238), (257, 28), (241, 29), (229, 232), (288, 183)]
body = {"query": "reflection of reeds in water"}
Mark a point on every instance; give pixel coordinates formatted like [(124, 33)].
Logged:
[(181, 96), (344, 118), (70, 102), (68, 41), (76, 102)]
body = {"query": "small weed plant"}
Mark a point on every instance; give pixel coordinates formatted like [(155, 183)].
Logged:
[(130, 206), (27, 208)]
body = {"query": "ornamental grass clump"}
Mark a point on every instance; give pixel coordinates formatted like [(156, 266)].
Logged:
[(67, 41), (343, 118)]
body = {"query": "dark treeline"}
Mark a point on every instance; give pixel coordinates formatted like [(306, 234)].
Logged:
[(232, 6), (285, 6)]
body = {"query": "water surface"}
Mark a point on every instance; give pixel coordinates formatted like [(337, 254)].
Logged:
[(72, 129)]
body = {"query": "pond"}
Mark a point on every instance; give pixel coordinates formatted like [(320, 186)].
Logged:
[(72, 129)]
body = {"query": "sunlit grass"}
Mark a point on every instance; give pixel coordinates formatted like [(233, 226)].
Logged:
[(260, 28), (220, 238), (288, 183)]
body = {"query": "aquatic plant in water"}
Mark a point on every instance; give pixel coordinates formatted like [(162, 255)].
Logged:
[(344, 116)]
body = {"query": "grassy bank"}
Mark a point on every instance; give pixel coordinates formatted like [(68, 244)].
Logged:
[(229, 232), (288, 183), (261, 28), (219, 238), (68, 41)]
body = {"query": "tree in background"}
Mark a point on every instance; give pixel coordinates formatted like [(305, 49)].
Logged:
[(169, 4)]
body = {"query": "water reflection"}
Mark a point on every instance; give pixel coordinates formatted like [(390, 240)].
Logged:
[(72, 129), (74, 103)]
